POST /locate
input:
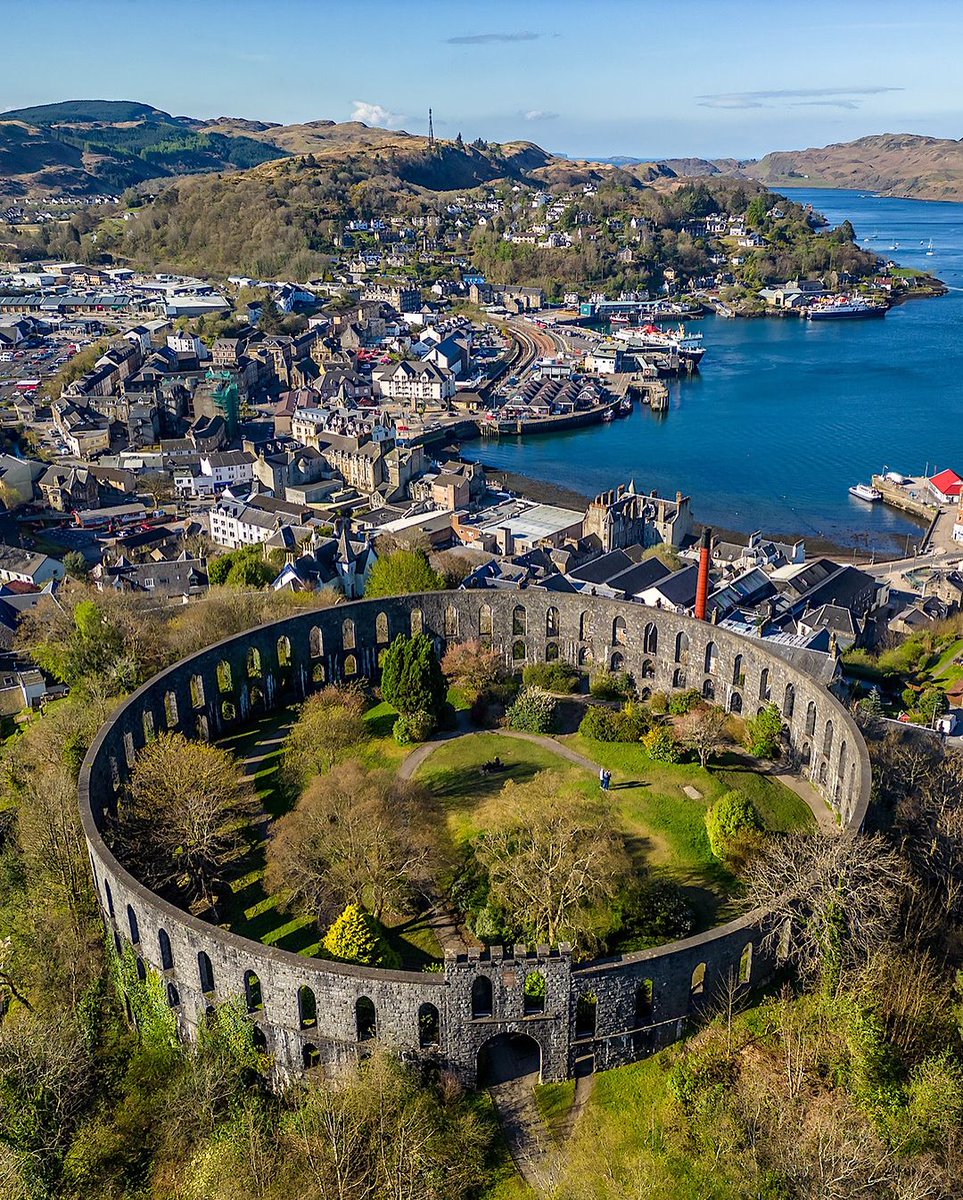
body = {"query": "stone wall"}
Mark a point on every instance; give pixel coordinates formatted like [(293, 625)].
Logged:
[(311, 1012)]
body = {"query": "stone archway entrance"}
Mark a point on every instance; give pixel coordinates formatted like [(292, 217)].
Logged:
[(509, 1058)]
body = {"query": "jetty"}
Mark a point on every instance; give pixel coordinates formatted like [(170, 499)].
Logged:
[(908, 497)]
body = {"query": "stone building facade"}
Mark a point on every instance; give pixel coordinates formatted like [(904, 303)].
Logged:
[(603, 1013)]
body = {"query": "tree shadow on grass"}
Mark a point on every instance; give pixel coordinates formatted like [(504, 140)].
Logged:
[(467, 785)]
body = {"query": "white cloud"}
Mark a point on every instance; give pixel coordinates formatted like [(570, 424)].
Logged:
[(540, 114), (375, 114), (842, 97)]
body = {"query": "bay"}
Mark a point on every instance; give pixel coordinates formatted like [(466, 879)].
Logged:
[(786, 414)]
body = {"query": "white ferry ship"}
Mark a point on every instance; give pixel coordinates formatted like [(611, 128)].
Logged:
[(836, 308), (651, 337)]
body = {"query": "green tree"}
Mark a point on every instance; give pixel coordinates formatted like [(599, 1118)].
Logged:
[(732, 816), (330, 723), (243, 568), (403, 572), (763, 732), (411, 676), (76, 565), (355, 937)]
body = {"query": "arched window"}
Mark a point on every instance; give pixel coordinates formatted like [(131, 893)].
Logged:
[(678, 678), (841, 764), (519, 621), (534, 993), (205, 971), (518, 651), (551, 652), (617, 662), (318, 673), (130, 754), (381, 628), (583, 627), (366, 1020), (310, 1056), (682, 647), (347, 634), (735, 703), (586, 1008), (828, 739), (252, 992), (788, 701), (738, 677), (552, 622), (170, 710), (110, 897), (133, 926), (618, 631), (197, 691), (644, 996), (224, 680), (648, 669), (784, 944), (166, 952), (315, 642), (650, 640), (810, 719), (710, 659), (451, 621), (698, 984), (118, 944), (429, 1027), (173, 995), (583, 656), (417, 622), (228, 711), (284, 651), (481, 996), (708, 690), (307, 1008), (253, 663), (765, 691), (485, 626), (350, 665), (745, 964)]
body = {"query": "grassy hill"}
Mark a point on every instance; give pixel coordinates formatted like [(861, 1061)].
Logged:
[(893, 164)]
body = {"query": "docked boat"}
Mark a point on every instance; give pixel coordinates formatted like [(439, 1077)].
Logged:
[(864, 491), (651, 337), (843, 308)]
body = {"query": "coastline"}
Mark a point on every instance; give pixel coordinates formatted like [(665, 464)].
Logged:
[(543, 492)]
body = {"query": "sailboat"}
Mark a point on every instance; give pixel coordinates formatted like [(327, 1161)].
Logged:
[(929, 249)]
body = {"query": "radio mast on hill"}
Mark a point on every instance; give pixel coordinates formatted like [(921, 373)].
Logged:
[(431, 131)]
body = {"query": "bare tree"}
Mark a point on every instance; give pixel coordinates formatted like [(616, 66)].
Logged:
[(331, 722), (843, 897), (356, 837), (704, 731), (550, 864), (185, 815)]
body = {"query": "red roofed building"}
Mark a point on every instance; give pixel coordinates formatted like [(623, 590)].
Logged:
[(947, 486)]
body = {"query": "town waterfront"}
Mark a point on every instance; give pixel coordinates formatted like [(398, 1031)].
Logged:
[(787, 414)]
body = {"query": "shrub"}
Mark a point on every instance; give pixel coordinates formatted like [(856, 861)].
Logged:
[(532, 711), (551, 676), (659, 703), (681, 703), (763, 732), (414, 727), (535, 985), (604, 725), (357, 937), (660, 745), (612, 685), (732, 816), (411, 677), (659, 912), (474, 667)]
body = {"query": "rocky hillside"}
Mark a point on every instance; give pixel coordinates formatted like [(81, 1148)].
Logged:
[(893, 164)]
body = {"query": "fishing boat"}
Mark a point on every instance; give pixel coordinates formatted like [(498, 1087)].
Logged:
[(864, 491)]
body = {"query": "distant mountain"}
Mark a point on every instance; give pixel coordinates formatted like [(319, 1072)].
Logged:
[(893, 164), (66, 111)]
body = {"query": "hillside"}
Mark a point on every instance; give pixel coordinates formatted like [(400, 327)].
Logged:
[(88, 147), (893, 164)]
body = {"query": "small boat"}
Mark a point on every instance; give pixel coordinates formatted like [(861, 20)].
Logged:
[(929, 249), (608, 415), (863, 491)]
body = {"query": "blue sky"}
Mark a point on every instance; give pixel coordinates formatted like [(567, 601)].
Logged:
[(582, 77)]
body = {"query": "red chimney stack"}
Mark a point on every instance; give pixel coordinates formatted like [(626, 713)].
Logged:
[(702, 587)]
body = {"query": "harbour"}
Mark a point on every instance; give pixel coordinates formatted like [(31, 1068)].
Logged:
[(784, 416)]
